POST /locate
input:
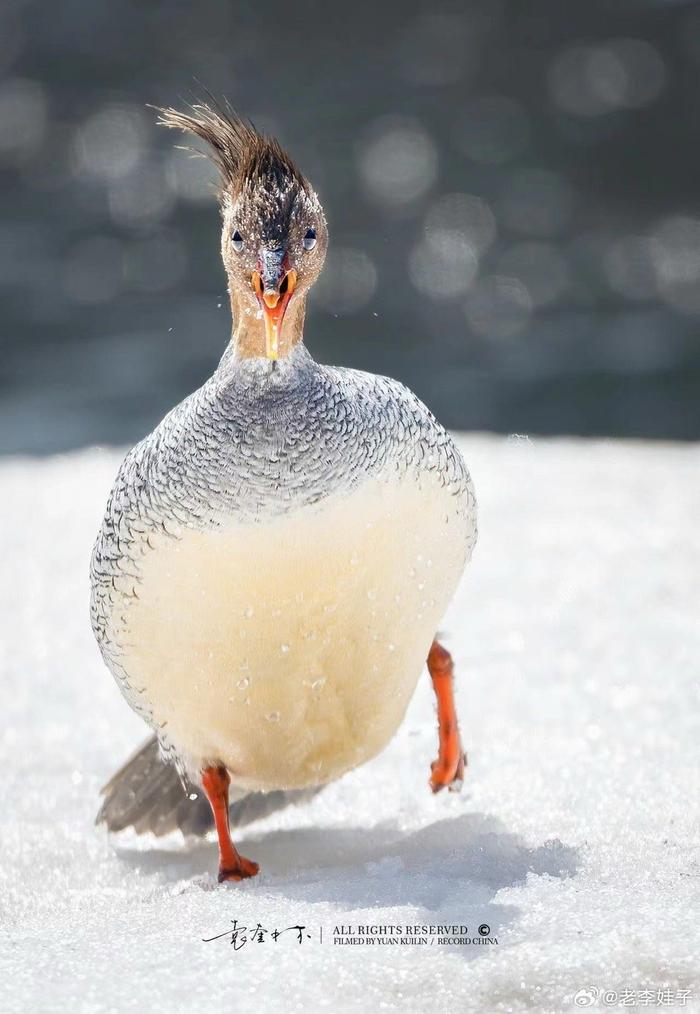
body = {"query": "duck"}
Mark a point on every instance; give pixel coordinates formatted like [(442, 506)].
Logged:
[(276, 556)]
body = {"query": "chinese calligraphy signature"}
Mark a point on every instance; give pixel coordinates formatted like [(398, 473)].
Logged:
[(239, 936)]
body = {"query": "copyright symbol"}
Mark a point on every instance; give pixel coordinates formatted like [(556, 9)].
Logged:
[(484, 929), (586, 997)]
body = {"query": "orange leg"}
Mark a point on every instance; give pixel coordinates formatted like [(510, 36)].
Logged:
[(232, 865), (448, 769)]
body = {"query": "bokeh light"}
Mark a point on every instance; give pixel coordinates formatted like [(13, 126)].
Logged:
[(542, 269), (397, 161), (511, 189), (23, 118), (463, 213), (348, 281), (597, 79), (498, 307), (629, 267), (141, 197), (111, 142), (675, 252), (443, 264)]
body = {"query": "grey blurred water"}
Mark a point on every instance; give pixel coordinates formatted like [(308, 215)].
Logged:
[(512, 192)]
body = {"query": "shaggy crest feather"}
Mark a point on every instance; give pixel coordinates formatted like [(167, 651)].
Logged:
[(241, 154)]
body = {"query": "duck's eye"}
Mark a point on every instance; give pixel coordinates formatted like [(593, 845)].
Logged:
[(237, 241), (310, 239)]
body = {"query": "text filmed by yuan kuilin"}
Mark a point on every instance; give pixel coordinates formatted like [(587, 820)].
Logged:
[(413, 934)]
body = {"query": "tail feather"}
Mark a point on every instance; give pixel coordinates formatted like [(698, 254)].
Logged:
[(147, 794)]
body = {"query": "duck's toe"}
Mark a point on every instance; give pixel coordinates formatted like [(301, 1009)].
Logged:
[(444, 774), (243, 869)]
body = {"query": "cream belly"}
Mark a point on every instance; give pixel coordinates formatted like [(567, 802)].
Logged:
[(288, 650)]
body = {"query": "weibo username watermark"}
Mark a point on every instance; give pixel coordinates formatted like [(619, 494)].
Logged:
[(590, 996)]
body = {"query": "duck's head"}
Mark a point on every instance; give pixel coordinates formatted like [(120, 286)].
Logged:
[(274, 236)]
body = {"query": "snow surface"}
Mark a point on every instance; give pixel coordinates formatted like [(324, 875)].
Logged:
[(576, 638)]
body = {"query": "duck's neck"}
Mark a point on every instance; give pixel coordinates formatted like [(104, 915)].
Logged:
[(248, 336)]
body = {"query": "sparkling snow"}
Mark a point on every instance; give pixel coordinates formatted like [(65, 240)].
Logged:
[(577, 641)]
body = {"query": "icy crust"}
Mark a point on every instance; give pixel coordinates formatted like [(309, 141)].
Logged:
[(575, 838)]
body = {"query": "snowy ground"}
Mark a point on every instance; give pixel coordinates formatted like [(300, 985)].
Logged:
[(577, 642)]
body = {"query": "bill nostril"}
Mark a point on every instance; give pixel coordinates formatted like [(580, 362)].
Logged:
[(285, 285)]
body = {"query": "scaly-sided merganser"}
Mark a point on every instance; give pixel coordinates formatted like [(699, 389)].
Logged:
[(276, 555)]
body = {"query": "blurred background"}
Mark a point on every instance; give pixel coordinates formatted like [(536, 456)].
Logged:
[(512, 192)]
